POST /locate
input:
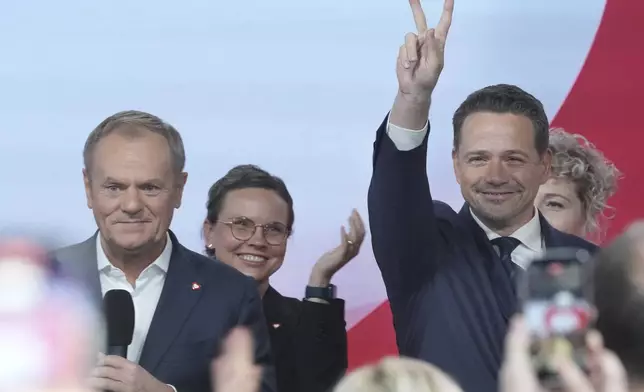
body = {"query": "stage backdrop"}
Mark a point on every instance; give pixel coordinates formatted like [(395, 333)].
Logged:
[(297, 87)]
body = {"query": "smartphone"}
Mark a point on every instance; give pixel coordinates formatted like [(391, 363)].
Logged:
[(555, 293)]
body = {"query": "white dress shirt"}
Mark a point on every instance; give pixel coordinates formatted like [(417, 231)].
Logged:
[(529, 234), (145, 291)]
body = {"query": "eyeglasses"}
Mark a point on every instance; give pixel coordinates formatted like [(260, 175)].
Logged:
[(243, 229)]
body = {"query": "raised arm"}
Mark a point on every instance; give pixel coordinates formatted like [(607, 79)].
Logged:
[(404, 232)]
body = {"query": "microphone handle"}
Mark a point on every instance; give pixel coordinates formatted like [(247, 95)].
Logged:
[(120, 351)]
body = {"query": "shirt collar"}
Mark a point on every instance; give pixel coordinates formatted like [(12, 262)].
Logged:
[(162, 262), (529, 234)]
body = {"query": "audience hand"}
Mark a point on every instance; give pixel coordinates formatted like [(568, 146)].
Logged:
[(117, 374), (235, 370), (517, 373), (332, 261)]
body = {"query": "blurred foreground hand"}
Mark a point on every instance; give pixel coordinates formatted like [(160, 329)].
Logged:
[(49, 333), (235, 369), (517, 372)]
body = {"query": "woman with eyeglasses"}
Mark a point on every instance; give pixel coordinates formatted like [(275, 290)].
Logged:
[(249, 221)]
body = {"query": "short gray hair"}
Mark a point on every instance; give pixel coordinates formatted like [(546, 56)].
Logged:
[(576, 159), (131, 122)]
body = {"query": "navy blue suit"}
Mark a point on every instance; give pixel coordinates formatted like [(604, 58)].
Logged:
[(188, 324), (450, 295)]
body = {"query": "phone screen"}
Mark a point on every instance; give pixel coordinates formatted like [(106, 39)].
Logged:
[(558, 313)]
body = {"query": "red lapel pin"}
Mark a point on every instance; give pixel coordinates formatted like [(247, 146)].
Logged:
[(196, 286)]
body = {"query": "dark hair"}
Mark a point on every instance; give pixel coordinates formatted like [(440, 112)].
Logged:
[(620, 302), (243, 177), (504, 98)]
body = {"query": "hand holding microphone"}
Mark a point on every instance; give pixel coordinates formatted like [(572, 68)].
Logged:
[(114, 372)]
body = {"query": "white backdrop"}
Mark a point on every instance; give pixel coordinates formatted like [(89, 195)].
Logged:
[(297, 87)]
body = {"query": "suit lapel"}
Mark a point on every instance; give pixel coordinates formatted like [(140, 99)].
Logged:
[(551, 238), (483, 244), (502, 287), (280, 319), (178, 298)]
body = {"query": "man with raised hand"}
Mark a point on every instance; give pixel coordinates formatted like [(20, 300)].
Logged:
[(450, 275)]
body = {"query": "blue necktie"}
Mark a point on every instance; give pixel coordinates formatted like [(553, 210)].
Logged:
[(505, 246)]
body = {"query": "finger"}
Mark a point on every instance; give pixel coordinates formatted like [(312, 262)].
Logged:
[(344, 239), (360, 226), (354, 233), (572, 378), (517, 345), (595, 346), (239, 346), (105, 384), (516, 341), (419, 16), (115, 361), (613, 372), (429, 45), (402, 57), (411, 45), (517, 372), (595, 342), (108, 372), (353, 230), (442, 29)]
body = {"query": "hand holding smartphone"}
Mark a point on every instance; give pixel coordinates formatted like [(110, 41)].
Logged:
[(555, 295)]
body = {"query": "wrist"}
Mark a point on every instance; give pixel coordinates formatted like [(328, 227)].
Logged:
[(319, 279), (410, 111), (415, 98)]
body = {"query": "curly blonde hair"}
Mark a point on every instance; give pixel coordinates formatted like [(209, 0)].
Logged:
[(576, 159)]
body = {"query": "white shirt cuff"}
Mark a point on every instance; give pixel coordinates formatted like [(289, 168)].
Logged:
[(406, 139), (173, 388)]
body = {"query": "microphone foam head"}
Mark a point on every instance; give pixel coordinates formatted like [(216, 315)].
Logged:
[(119, 317)]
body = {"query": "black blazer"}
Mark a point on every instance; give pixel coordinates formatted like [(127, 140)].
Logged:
[(450, 296), (188, 325), (309, 342)]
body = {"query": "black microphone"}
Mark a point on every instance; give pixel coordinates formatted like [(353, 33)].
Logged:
[(119, 317)]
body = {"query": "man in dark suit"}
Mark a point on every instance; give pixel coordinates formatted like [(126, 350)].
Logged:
[(450, 276), (184, 302)]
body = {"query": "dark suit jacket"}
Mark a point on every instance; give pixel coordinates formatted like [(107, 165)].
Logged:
[(450, 296), (309, 342), (188, 325)]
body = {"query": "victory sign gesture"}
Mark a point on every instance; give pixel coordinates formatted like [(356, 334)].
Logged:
[(421, 58)]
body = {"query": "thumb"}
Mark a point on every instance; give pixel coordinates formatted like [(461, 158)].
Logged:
[(517, 341)]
